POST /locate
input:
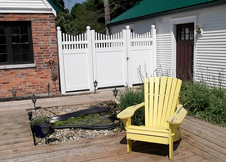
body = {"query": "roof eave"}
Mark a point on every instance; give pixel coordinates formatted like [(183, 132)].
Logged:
[(54, 6)]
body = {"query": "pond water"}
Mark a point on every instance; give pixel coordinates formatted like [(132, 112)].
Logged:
[(96, 119)]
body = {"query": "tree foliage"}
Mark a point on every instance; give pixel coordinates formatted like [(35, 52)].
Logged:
[(120, 6), (60, 4), (89, 13)]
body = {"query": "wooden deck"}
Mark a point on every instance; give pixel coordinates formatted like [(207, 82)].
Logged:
[(201, 142)]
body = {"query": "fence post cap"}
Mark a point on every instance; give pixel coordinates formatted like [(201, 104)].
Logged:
[(88, 28), (58, 28), (127, 27), (152, 26)]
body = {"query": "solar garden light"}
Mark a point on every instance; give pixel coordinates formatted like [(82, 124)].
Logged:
[(34, 99), (95, 85), (115, 92), (30, 115), (14, 92), (48, 88), (45, 129)]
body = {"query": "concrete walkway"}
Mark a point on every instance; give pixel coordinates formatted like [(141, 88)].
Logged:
[(79, 98)]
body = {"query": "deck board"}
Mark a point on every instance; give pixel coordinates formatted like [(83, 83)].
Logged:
[(202, 142)]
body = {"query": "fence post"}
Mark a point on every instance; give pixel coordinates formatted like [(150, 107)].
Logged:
[(61, 61), (153, 34), (90, 57), (124, 37), (94, 58), (129, 57)]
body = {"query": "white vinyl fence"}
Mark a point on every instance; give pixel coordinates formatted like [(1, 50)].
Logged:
[(116, 60)]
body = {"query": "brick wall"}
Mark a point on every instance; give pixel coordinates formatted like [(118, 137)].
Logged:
[(33, 80)]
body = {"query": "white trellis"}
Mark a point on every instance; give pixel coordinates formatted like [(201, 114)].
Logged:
[(112, 60)]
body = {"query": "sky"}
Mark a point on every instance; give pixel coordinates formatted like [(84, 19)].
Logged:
[(70, 3)]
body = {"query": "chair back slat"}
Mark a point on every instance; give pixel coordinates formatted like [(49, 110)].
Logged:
[(161, 100), (156, 97), (147, 112), (170, 102), (150, 102), (161, 95), (166, 100), (175, 97)]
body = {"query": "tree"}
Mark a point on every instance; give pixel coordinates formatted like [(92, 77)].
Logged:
[(120, 6), (83, 18), (59, 4), (89, 13), (63, 20), (74, 9)]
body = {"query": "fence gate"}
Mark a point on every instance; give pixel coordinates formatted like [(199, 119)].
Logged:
[(120, 59)]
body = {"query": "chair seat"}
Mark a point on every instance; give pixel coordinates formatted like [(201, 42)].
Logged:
[(146, 131)]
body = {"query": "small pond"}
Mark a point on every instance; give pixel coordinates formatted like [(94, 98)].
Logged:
[(89, 121), (97, 119)]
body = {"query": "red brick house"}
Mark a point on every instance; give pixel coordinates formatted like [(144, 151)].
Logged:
[(28, 43)]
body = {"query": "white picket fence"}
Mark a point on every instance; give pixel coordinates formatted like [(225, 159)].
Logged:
[(115, 60)]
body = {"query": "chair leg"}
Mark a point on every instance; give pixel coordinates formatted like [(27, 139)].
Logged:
[(170, 147), (129, 146)]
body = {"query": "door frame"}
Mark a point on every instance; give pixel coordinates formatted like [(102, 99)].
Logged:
[(173, 33)]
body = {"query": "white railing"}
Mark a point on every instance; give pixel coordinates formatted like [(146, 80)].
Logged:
[(112, 60)]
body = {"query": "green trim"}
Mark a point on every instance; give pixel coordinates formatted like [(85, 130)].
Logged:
[(54, 6), (124, 18)]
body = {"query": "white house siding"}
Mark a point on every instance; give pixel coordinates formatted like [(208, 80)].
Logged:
[(210, 48), (26, 6), (163, 46)]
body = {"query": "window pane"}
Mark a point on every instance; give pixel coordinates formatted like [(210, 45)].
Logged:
[(16, 49), (16, 39), (25, 57), (20, 38), (21, 53), (2, 40), (25, 48), (19, 30), (191, 33), (3, 58), (24, 39), (186, 33), (17, 58), (14, 29), (3, 49), (2, 30), (182, 34)]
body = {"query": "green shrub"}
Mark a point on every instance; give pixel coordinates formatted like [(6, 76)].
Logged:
[(131, 97), (39, 120), (195, 96), (204, 102)]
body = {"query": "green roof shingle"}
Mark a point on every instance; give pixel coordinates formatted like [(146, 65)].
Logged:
[(154, 7)]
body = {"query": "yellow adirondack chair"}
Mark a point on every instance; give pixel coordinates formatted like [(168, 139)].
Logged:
[(163, 114)]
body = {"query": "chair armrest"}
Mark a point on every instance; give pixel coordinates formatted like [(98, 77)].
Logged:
[(178, 116), (129, 111)]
